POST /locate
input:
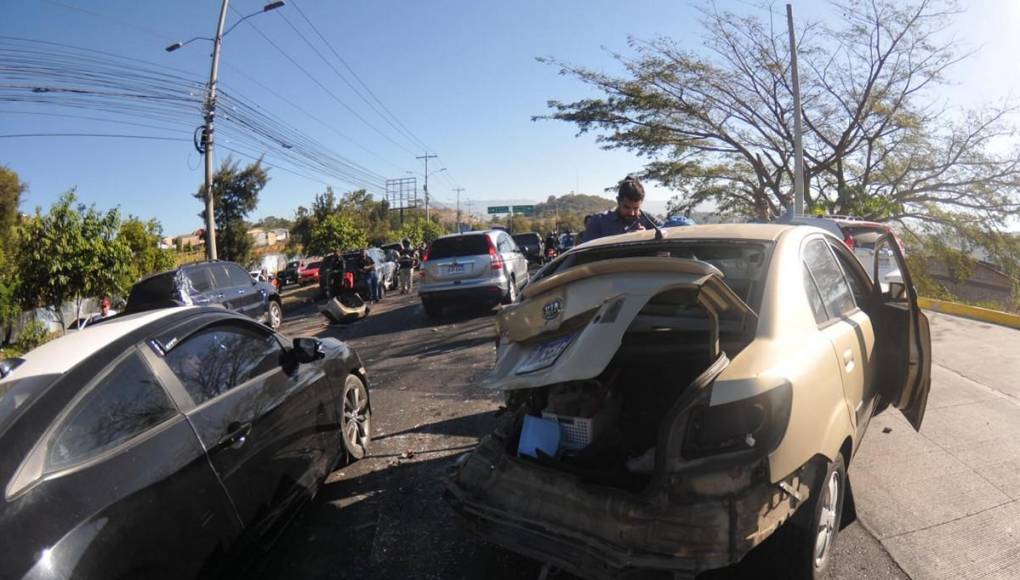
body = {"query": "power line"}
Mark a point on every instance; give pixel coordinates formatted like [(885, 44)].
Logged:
[(324, 88), (101, 135), (395, 123)]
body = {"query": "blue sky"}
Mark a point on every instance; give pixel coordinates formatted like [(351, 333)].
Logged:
[(461, 75)]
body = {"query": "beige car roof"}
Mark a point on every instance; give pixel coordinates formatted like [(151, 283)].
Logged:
[(761, 232)]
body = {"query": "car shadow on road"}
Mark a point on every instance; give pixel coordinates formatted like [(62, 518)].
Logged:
[(384, 517), (408, 317)]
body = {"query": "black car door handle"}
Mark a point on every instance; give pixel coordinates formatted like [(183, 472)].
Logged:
[(237, 435)]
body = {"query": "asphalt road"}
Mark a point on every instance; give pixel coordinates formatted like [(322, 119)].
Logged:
[(383, 517)]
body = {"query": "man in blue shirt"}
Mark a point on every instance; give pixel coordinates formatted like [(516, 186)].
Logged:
[(626, 217)]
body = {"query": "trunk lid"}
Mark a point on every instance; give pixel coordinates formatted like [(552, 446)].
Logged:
[(570, 325)]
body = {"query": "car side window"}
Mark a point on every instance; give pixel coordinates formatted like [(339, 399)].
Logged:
[(858, 285), (221, 357), (235, 276), (201, 279), (829, 279), (814, 297), (124, 403)]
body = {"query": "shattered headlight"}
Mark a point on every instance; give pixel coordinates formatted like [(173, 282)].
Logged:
[(545, 354)]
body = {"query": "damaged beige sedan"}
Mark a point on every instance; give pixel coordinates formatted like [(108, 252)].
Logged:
[(676, 398)]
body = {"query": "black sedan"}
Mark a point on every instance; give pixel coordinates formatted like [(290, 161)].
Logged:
[(173, 443)]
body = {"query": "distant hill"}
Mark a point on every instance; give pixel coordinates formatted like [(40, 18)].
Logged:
[(573, 203)]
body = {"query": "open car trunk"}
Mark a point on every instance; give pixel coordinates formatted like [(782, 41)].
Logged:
[(597, 360)]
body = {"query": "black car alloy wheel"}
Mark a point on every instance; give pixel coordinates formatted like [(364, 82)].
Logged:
[(356, 421)]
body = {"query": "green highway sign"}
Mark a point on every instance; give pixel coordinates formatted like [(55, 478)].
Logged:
[(499, 209), (524, 209)]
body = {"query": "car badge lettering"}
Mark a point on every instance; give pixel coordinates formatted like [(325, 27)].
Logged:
[(552, 309)]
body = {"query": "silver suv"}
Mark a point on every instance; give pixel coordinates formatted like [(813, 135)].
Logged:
[(484, 267)]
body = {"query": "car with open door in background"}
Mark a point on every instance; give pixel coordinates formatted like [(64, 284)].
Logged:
[(208, 283), (172, 443), (676, 398)]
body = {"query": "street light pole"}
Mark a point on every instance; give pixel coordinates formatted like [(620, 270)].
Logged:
[(210, 114), (798, 147), (426, 157), (458, 190), (207, 136)]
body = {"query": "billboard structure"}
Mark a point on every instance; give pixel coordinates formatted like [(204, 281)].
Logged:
[(402, 194)]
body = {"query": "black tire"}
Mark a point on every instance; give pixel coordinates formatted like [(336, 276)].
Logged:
[(355, 418), (274, 315), (799, 551)]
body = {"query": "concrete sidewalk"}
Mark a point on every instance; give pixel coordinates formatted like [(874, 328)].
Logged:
[(943, 502)]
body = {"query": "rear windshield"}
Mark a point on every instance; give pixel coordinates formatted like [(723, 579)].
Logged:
[(313, 265), (457, 246), (16, 393), (744, 264), (157, 289)]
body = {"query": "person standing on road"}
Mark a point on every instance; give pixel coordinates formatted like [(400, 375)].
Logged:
[(368, 268), (408, 261), (626, 217)]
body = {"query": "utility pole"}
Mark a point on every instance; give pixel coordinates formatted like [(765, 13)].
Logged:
[(207, 136), (426, 158), (210, 115), (798, 147), (458, 190)]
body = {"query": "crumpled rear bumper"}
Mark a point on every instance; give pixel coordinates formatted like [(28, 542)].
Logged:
[(683, 524)]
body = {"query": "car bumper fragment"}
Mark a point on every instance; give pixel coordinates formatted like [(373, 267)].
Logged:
[(682, 524)]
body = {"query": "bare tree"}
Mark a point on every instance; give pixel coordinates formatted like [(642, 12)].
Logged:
[(716, 124)]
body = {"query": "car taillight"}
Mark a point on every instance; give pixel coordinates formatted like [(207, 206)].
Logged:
[(497, 260), (849, 240), (754, 423), (428, 249)]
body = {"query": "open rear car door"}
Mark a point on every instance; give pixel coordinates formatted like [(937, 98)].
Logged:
[(903, 340)]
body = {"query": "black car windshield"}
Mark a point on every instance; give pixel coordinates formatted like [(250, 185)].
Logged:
[(458, 246), (743, 263)]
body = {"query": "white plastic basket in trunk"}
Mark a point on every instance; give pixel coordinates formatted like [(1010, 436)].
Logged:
[(577, 432)]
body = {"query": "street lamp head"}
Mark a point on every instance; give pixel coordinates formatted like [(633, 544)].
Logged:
[(272, 6), (174, 46)]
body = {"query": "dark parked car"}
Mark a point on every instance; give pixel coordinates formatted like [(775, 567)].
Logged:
[(385, 265), (289, 275), (168, 444), (532, 245), (206, 284)]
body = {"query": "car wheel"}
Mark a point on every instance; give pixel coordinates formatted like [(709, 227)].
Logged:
[(275, 317), (356, 418), (803, 547), (511, 292)]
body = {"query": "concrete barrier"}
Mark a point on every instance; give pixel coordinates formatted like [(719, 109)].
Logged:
[(972, 312)]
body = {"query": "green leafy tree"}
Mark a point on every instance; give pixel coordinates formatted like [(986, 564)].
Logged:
[(70, 254), (235, 195), (716, 123), (420, 230), (147, 257), (336, 231), (11, 189)]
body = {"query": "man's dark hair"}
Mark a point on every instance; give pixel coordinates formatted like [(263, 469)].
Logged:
[(631, 189)]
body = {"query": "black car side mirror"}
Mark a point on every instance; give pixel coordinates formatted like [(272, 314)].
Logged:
[(307, 350)]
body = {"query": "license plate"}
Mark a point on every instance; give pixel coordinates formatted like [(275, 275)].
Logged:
[(545, 354), (455, 268)]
